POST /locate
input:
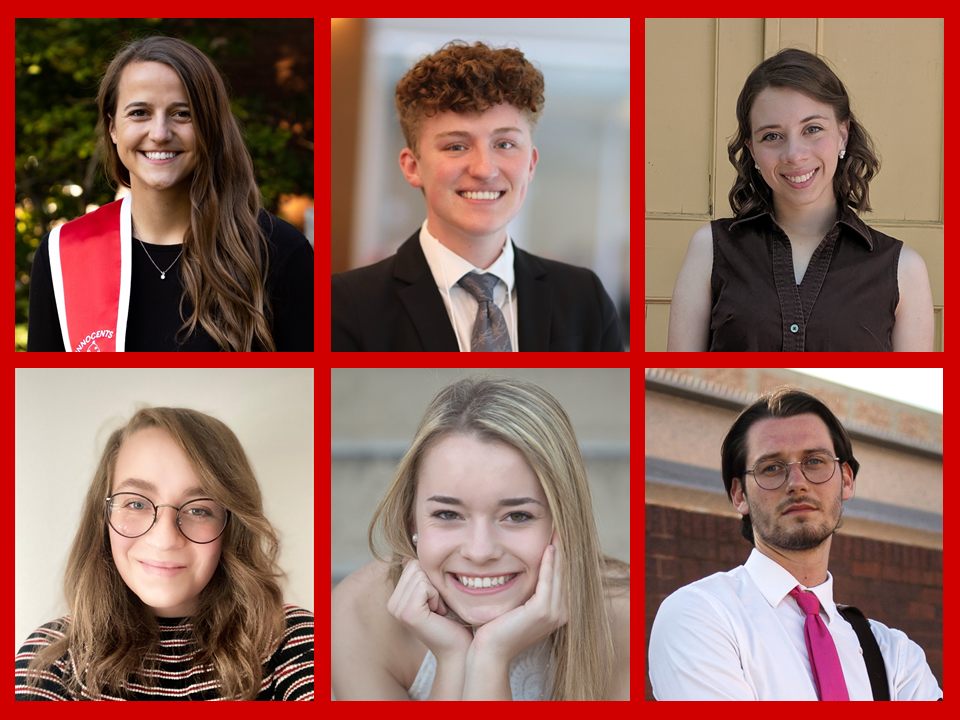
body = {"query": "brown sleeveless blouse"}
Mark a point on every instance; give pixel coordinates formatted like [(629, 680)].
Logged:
[(845, 302)]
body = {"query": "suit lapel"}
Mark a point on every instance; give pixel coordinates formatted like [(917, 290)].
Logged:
[(534, 302), (422, 299)]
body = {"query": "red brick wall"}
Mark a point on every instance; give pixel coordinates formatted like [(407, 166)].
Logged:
[(899, 585)]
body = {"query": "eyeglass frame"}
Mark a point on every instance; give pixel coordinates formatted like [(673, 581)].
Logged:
[(786, 470), (156, 509)]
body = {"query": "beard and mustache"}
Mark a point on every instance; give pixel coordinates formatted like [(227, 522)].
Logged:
[(801, 533)]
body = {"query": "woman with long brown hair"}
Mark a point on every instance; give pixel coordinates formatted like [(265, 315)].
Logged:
[(796, 269), (172, 579), (189, 261), (490, 582)]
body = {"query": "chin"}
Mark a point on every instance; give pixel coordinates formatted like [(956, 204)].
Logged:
[(475, 612), (481, 615)]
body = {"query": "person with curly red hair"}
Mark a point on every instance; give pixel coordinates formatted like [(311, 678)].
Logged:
[(468, 113)]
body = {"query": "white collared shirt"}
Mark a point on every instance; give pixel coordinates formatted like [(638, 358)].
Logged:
[(447, 268), (738, 635)]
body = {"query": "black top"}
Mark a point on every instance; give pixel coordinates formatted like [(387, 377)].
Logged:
[(846, 301), (154, 315)]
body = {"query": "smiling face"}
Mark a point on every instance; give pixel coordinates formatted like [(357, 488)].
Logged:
[(164, 569), (152, 128), (778, 516), (480, 512), (793, 136), (490, 153)]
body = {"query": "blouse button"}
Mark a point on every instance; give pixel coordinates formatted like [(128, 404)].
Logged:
[(794, 328)]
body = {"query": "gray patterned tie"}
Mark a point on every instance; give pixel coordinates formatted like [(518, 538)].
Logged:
[(490, 328)]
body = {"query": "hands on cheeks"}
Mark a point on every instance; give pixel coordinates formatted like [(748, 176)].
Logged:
[(417, 604), (530, 623)]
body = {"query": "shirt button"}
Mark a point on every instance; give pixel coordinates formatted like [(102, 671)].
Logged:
[(794, 328)]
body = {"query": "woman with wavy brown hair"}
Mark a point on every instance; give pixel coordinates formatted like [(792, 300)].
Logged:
[(172, 579), (489, 581), (189, 261), (796, 269)]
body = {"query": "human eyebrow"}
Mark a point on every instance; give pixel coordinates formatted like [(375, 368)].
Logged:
[(148, 486), (777, 127), (511, 502), (141, 103), (464, 133), (506, 502), (808, 451)]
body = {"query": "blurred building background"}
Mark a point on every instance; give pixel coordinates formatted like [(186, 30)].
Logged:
[(577, 207), (888, 557)]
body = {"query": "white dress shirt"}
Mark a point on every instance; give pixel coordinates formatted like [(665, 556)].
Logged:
[(738, 635), (447, 268)]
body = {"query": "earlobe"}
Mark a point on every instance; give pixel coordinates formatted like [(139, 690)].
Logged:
[(410, 167), (738, 498), (849, 485)]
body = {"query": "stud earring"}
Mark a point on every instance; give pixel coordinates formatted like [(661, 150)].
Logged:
[(756, 166), (414, 538), (842, 153)]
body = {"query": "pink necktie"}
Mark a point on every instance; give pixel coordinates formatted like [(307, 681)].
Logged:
[(824, 661)]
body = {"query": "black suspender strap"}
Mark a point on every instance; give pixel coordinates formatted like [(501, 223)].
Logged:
[(871, 651)]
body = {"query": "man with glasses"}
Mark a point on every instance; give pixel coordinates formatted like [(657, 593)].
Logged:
[(770, 629)]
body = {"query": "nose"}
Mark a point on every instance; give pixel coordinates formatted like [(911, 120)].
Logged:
[(480, 544), (796, 480), (160, 128), (795, 150), (164, 534), (482, 166)]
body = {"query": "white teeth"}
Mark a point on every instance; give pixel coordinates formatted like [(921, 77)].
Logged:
[(800, 178), (480, 195), (160, 155), (485, 582)]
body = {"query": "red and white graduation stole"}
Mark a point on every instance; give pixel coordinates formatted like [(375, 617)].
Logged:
[(90, 263)]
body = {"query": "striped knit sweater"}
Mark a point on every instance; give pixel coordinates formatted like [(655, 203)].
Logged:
[(287, 674)]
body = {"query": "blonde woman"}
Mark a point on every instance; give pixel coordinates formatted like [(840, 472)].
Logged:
[(493, 585), (188, 261), (171, 581)]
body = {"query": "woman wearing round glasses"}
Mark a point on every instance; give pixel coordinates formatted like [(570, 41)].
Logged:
[(171, 581)]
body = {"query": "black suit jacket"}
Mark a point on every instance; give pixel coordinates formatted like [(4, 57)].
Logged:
[(394, 305)]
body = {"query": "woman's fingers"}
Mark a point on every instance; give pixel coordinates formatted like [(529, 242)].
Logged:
[(551, 588), (416, 603)]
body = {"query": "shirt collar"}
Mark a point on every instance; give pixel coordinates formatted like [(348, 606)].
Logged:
[(847, 217), (775, 582), (445, 263)]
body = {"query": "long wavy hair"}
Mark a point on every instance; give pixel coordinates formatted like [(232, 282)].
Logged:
[(112, 638), (808, 74), (527, 418), (224, 250)]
